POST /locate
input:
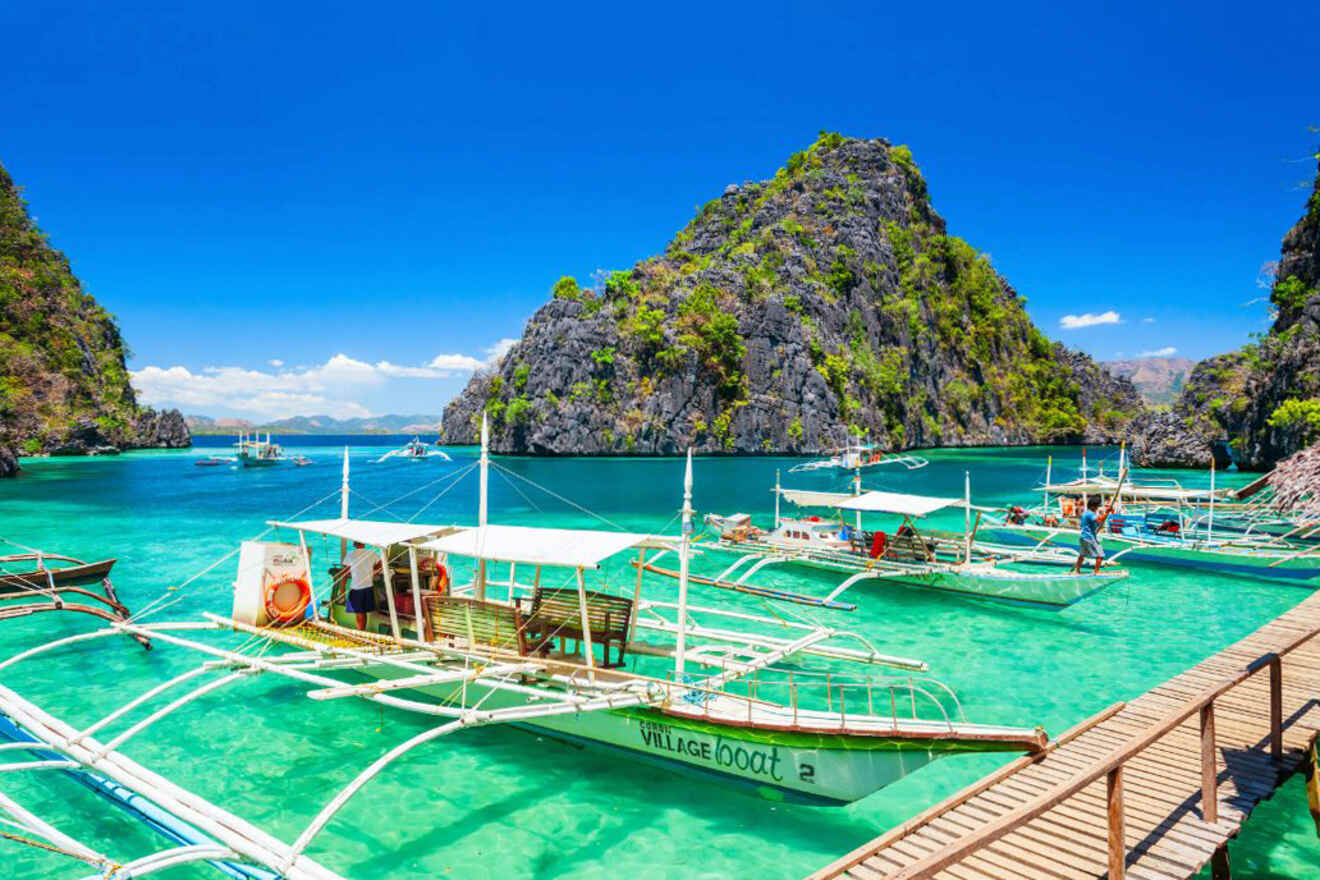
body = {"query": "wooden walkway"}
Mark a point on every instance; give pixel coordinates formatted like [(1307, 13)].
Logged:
[(1121, 794)]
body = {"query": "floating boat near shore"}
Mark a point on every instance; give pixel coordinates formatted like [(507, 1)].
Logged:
[(912, 555), (215, 461), (252, 451), (859, 456), (1162, 525), (34, 581), (415, 450), (758, 701)]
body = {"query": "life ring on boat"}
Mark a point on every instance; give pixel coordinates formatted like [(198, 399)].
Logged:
[(286, 600)]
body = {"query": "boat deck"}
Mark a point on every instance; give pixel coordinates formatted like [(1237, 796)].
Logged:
[(1150, 789)]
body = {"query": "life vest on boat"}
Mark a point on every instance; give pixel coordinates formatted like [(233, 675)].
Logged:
[(878, 543), (286, 600), (1169, 527), (813, 519)]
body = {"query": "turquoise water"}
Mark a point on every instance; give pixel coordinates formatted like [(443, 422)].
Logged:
[(505, 803)]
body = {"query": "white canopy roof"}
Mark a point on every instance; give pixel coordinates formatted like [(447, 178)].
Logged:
[(573, 548), (376, 533), (871, 502), (897, 502), (812, 498), (1149, 493)]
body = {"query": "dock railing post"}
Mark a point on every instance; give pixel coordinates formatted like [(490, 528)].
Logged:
[(1117, 843), (1209, 766), (1276, 708)]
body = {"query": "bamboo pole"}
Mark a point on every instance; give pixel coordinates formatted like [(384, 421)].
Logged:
[(416, 593), (586, 625)]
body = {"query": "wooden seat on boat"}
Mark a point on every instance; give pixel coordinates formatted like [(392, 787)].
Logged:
[(907, 546), (555, 613), (492, 624)]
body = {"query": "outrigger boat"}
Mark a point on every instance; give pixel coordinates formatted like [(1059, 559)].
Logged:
[(913, 555), (415, 450), (34, 581), (252, 451), (858, 456), (1160, 525), (703, 690), (215, 461)]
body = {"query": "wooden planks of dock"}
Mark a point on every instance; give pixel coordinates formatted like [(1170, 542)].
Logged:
[(1151, 789)]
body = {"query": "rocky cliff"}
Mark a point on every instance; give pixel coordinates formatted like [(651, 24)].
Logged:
[(788, 316), (1261, 403), (64, 387)]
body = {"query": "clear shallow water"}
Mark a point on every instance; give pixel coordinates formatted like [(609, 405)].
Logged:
[(506, 803)]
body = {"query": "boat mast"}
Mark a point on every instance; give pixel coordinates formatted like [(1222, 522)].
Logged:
[(1045, 493), (967, 516), (343, 505), (857, 490), (776, 498), (683, 553), (481, 502)]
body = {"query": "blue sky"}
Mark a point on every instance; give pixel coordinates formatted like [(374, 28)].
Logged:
[(374, 197)]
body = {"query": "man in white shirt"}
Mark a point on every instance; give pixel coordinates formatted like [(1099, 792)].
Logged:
[(362, 565)]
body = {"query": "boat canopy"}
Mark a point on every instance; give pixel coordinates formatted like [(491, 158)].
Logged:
[(897, 502), (376, 533), (871, 502), (1149, 493), (570, 548)]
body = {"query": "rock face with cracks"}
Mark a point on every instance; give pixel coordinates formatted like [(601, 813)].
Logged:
[(791, 316)]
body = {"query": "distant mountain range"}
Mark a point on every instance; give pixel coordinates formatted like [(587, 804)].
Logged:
[(388, 424), (1158, 380)]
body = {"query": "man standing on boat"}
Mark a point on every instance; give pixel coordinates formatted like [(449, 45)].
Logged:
[(1090, 541), (362, 564)]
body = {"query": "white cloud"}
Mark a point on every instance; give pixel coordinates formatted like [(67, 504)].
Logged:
[(496, 352), (275, 362), (334, 388), (1167, 351), (1148, 320), (455, 362), (1076, 322)]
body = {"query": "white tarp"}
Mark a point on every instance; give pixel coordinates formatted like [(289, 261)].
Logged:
[(897, 502), (811, 498), (871, 502), (374, 533), (573, 548), (1146, 493)]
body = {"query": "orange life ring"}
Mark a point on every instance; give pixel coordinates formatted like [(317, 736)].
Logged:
[(283, 604)]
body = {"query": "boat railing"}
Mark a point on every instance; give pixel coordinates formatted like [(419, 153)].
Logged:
[(796, 693)]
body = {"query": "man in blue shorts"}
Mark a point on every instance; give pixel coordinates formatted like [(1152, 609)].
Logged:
[(362, 565), (1090, 542)]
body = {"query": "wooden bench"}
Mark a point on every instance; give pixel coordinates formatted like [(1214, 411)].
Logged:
[(555, 613), (908, 547), (480, 623)]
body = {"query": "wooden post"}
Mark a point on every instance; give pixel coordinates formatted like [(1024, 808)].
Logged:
[(586, 626), (416, 594), (1311, 770), (1276, 708), (1209, 766), (389, 593), (1219, 867), (1117, 843)]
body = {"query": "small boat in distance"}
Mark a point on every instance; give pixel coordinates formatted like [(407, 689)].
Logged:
[(415, 450), (252, 451), (301, 461), (858, 456), (215, 461)]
